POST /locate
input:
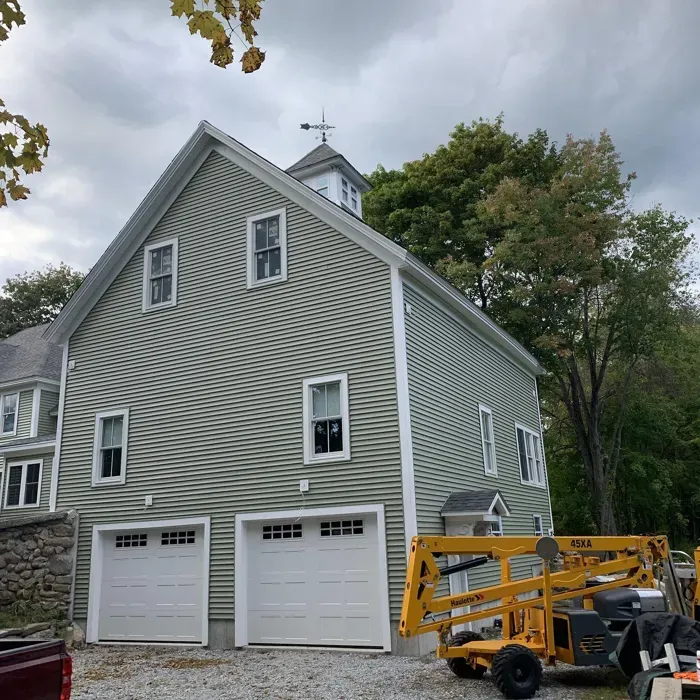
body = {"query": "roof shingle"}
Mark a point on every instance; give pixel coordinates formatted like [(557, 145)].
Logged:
[(471, 501), (26, 354), (318, 155)]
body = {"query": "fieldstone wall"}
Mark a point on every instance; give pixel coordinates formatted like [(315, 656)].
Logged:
[(37, 560)]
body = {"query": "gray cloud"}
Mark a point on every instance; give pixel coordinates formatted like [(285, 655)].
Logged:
[(121, 86)]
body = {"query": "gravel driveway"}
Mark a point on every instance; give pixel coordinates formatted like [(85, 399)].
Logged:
[(150, 673)]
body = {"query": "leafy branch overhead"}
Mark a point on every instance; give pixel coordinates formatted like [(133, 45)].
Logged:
[(219, 25), (22, 145)]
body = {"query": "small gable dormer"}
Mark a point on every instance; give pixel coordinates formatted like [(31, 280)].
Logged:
[(330, 174)]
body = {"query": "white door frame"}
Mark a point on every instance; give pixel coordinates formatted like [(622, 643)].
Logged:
[(96, 561), (241, 561)]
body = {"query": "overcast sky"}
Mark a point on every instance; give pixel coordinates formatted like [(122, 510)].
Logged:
[(122, 85)]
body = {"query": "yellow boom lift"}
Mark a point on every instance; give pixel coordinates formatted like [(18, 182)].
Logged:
[(575, 614)]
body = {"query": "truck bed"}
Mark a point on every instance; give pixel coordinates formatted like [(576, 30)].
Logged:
[(34, 669)]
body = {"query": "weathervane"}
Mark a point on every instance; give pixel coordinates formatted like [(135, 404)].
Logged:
[(322, 127)]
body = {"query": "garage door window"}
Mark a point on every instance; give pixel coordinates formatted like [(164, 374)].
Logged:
[(286, 531), (341, 528), (179, 537), (136, 540)]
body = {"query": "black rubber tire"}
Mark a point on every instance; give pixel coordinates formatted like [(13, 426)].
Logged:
[(517, 671), (460, 666)]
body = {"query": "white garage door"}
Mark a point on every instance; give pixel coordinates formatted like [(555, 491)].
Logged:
[(152, 585), (314, 581)]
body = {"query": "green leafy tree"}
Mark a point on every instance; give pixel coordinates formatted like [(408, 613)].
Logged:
[(593, 288), (24, 146), (36, 297), (430, 205)]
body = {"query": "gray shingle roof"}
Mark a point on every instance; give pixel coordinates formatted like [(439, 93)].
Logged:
[(27, 442), (471, 501), (26, 354), (318, 155)]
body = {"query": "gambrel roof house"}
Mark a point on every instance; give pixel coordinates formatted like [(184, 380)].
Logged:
[(263, 399)]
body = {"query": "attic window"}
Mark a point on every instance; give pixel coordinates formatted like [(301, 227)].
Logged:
[(322, 185), (344, 190), (353, 198), (267, 248), (160, 275)]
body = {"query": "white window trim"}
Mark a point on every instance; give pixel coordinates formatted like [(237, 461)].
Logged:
[(2, 412), (534, 524), (23, 485), (147, 306), (499, 523), (250, 255), (309, 456), (529, 431), (121, 479), (99, 533), (241, 561), (494, 471)]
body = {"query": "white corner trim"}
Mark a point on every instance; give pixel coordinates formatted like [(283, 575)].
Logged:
[(544, 461), (23, 486), (408, 486), (96, 561), (309, 456), (250, 248), (485, 409), (146, 304), (59, 428), (241, 562), (97, 480), (36, 399)]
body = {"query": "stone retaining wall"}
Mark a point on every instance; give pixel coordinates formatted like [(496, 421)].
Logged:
[(37, 560)]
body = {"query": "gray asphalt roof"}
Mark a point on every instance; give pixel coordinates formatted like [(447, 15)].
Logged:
[(26, 354), (318, 155), (470, 501), (28, 441)]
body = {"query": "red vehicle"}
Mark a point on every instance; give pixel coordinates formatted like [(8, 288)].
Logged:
[(35, 670)]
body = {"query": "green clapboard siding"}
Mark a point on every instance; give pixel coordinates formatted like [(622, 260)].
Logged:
[(47, 401), (24, 420), (450, 372), (214, 385), (47, 459)]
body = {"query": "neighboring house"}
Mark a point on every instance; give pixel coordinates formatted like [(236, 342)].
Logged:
[(30, 373), (265, 399)]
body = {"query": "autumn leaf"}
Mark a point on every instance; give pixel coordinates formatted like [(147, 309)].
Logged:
[(218, 26), (252, 59)]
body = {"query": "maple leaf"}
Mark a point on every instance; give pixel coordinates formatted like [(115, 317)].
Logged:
[(252, 59), (178, 8)]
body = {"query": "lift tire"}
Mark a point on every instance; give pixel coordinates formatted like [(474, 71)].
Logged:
[(460, 666), (517, 671)]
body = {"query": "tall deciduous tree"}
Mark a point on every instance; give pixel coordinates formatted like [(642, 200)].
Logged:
[(591, 287), (36, 297), (24, 146), (430, 205)]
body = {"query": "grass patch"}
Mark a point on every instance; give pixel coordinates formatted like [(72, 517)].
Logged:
[(604, 683), (20, 614)]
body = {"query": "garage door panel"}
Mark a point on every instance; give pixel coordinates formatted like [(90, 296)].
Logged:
[(317, 589), (152, 590)]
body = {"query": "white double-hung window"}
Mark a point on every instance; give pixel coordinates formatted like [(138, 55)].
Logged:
[(267, 248), (326, 419), (109, 455), (160, 275), (530, 456), (9, 410), (23, 488), (488, 444)]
